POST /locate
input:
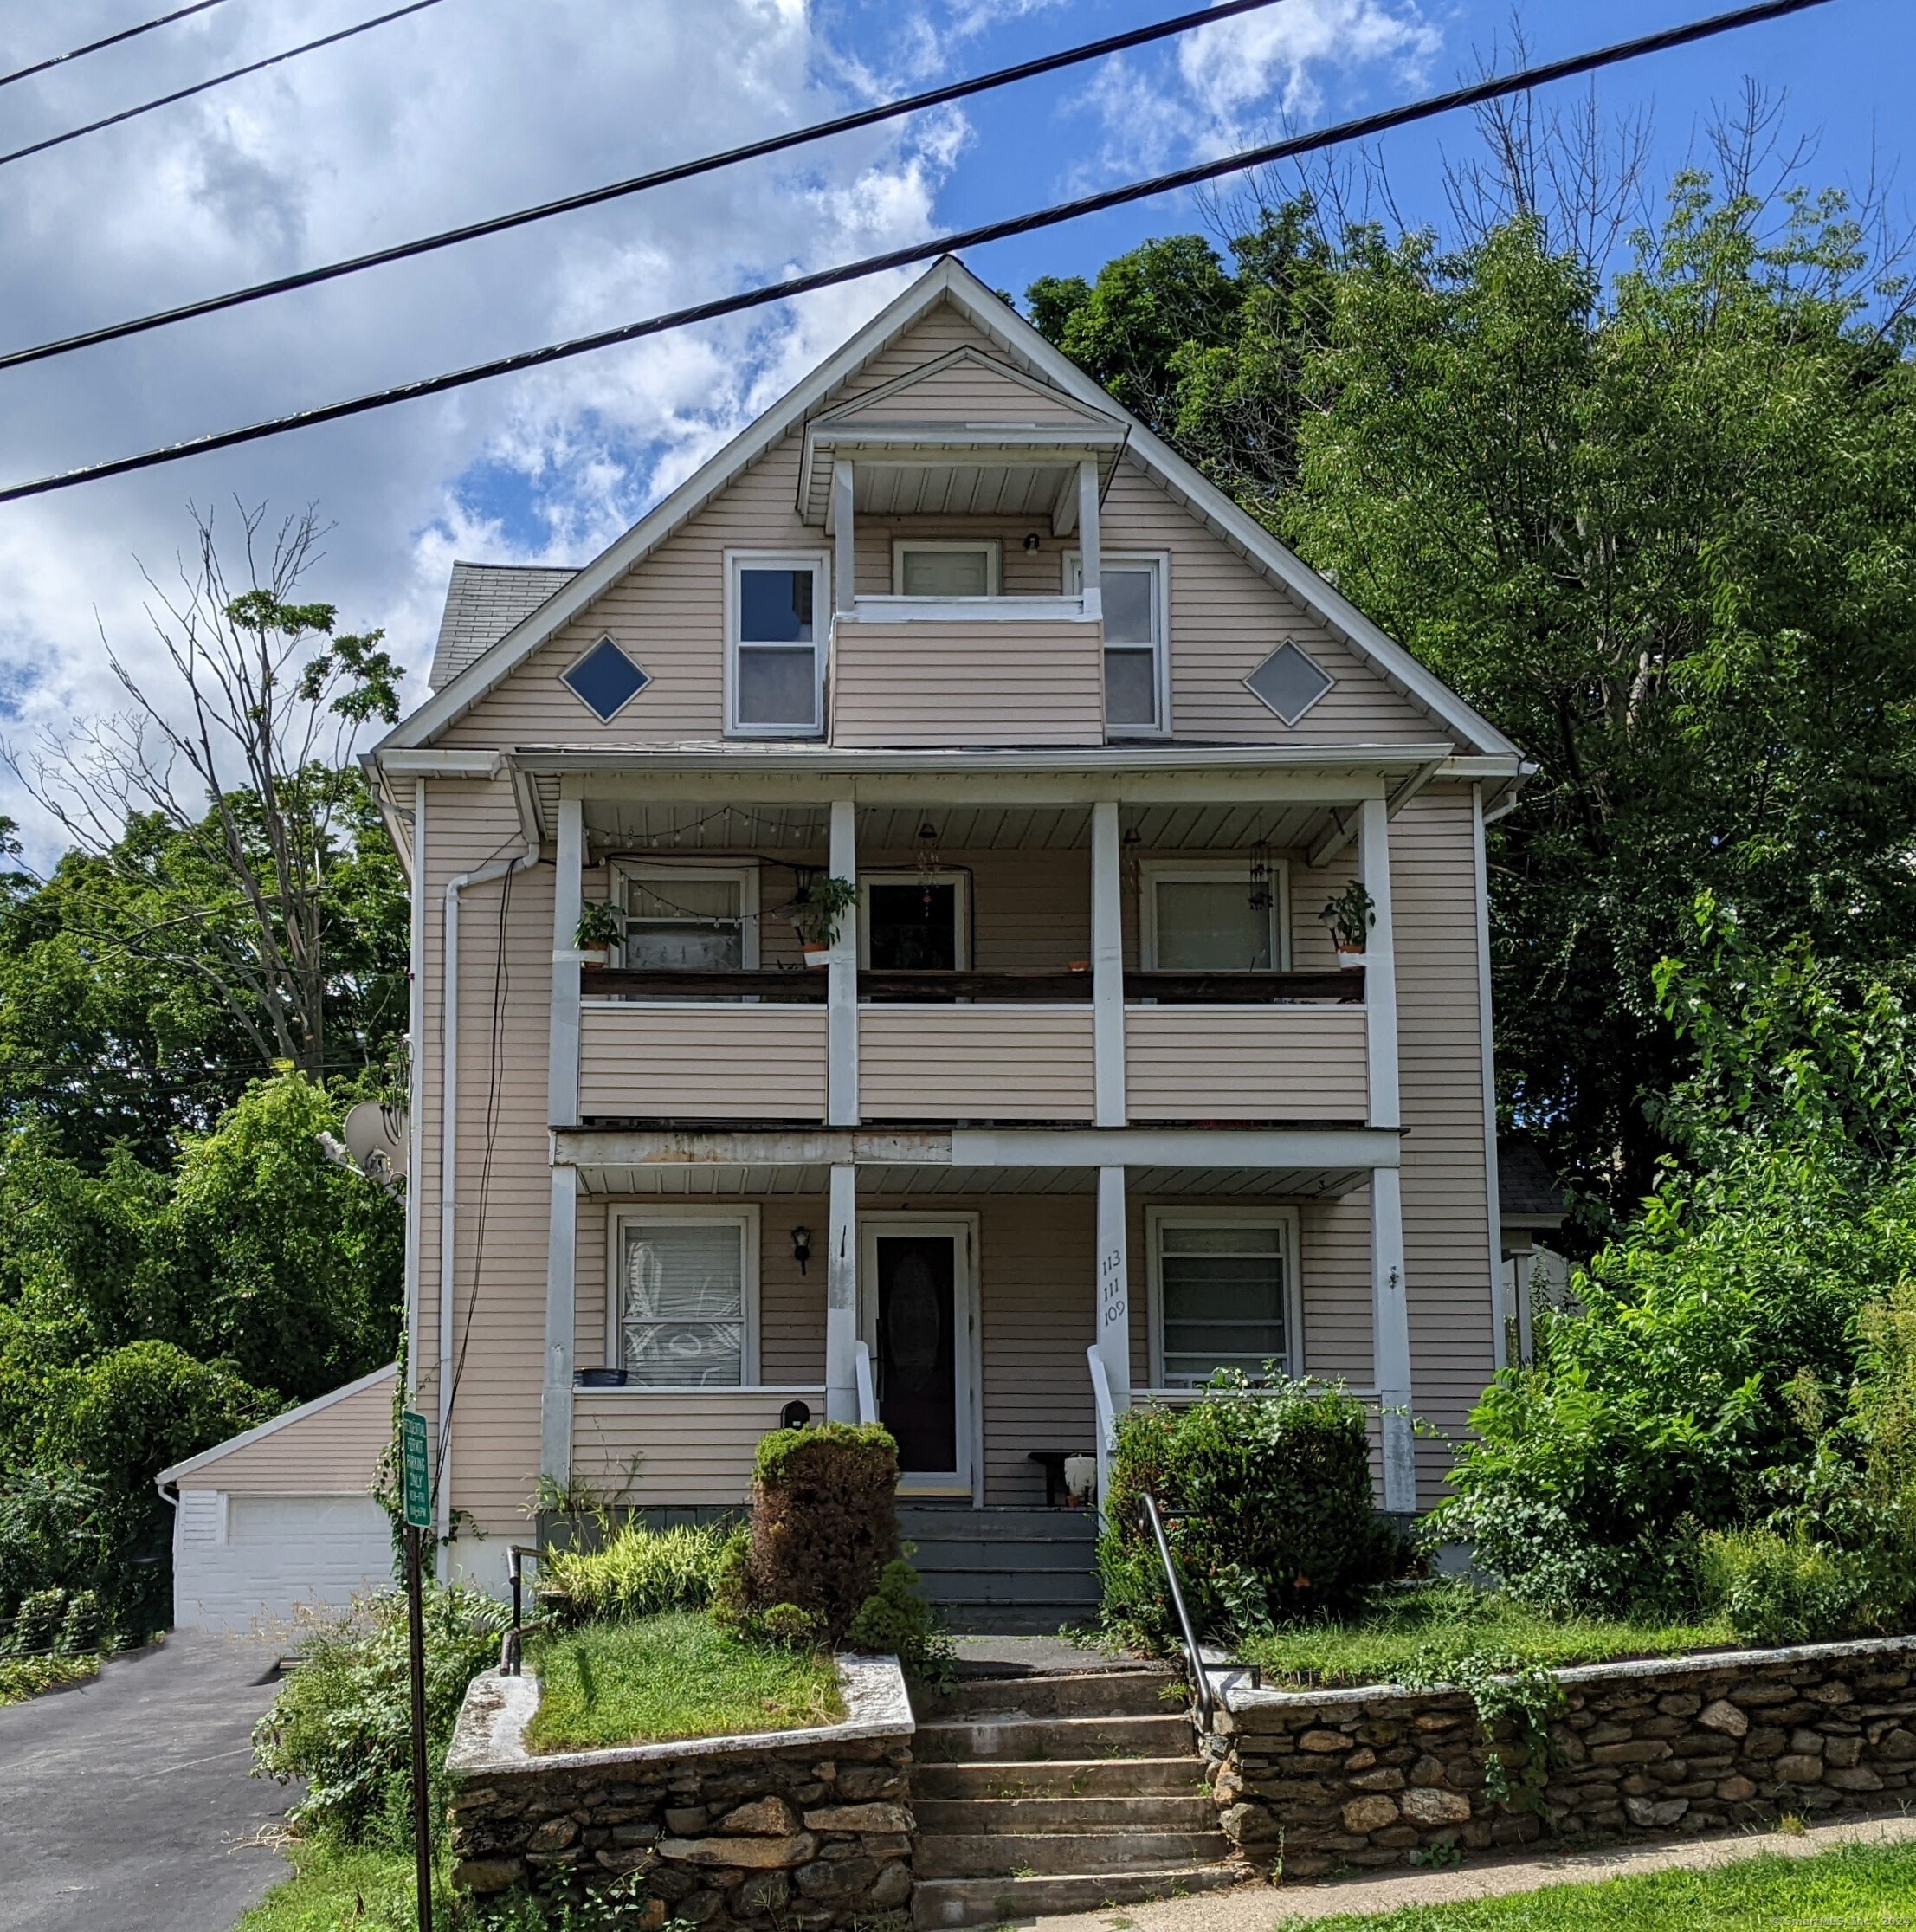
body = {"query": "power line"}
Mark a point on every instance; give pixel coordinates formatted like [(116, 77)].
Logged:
[(659, 177), (1364, 128), (218, 80), (111, 40)]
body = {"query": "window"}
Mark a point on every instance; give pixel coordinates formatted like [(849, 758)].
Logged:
[(604, 679), (1214, 916), (1288, 682), (1224, 1294), (1136, 684), (689, 919), (927, 566), (777, 609), (913, 922), (685, 1295)]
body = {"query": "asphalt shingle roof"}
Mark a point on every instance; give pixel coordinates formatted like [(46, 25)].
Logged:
[(483, 602)]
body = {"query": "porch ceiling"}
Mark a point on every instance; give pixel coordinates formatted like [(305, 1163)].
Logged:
[(713, 1180)]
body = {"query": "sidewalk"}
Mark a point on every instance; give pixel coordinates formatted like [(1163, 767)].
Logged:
[(1259, 1908)]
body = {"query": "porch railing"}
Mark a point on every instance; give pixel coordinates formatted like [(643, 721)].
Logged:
[(808, 985)]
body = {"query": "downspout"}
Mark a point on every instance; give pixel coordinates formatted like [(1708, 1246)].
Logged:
[(448, 1168)]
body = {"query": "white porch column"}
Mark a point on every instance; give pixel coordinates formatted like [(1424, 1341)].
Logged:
[(1113, 1287), (555, 1431), (1389, 1295), (842, 1297), (1088, 545), (842, 987), (844, 555), (1107, 966)]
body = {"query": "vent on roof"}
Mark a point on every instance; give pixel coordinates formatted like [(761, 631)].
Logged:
[(605, 679), (1288, 682)]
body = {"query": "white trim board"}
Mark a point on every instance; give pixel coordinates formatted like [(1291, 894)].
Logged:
[(265, 1429)]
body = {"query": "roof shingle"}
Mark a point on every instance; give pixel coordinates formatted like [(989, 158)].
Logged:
[(483, 602)]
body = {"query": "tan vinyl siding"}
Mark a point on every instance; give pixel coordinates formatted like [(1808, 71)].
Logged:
[(975, 1063), (664, 1446), (968, 391), (705, 1062), (1244, 1062), (1037, 681), (333, 1451)]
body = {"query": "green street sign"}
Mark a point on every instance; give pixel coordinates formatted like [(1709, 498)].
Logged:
[(412, 1459)]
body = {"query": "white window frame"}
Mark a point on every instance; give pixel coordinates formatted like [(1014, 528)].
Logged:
[(674, 1213), (910, 876), (1159, 563), (994, 572), (1153, 872), (647, 871), (1158, 1218), (819, 564)]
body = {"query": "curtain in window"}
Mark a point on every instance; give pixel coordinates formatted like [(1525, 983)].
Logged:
[(1210, 926), (685, 925), (682, 1318)]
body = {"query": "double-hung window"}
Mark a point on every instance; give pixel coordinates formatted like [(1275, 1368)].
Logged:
[(689, 919), (1223, 1294), (1213, 915), (1137, 673), (778, 621), (685, 1295)]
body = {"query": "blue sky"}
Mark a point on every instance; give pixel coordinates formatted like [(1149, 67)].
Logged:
[(477, 106)]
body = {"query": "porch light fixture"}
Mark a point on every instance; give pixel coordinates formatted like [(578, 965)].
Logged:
[(604, 680), (1288, 682), (1034, 542), (801, 1247)]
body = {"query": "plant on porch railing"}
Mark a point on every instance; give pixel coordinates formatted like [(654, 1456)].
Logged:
[(600, 928), (1350, 914), (819, 911)]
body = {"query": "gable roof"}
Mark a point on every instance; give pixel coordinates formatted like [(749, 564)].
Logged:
[(483, 602), (949, 280)]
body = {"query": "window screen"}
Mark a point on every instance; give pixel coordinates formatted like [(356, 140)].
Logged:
[(682, 1303), (945, 572), (1222, 1300), (687, 925), (775, 671), (1210, 926)]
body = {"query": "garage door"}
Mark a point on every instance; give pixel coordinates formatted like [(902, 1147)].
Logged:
[(239, 1561)]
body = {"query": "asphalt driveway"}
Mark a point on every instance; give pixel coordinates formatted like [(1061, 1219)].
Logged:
[(124, 1805)]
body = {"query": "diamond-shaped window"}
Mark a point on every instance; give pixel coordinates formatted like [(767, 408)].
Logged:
[(1288, 682), (605, 679)]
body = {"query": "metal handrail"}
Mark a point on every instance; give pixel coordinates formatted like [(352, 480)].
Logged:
[(1200, 1682), (1107, 1424), (862, 1374), (509, 1649)]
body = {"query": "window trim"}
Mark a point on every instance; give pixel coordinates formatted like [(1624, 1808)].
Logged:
[(1151, 872), (745, 873), (994, 565), (820, 566), (675, 1213), (1157, 1218), (1159, 561), (910, 876)]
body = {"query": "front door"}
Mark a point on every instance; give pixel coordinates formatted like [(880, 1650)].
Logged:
[(916, 1312)]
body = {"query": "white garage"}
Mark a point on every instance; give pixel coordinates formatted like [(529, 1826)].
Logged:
[(283, 1515)]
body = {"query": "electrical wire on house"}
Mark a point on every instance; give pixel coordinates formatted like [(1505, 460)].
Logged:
[(110, 40), (217, 80), (658, 178), (1364, 128)]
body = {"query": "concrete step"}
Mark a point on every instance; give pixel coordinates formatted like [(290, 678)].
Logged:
[(1174, 1777), (1021, 1740), (1077, 1587), (1070, 1694), (1014, 1553), (1042, 1854), (999, 1816), (924, 1525), (1007, 1619), (937, 1904)]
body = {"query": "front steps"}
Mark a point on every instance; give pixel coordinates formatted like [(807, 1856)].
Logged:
[(997, 1571), (1040, 1794)]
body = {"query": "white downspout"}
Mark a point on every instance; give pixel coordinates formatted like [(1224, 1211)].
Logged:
[(448, 1170)]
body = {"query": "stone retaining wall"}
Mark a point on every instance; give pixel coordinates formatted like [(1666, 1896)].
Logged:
[(793, 1829), (1320, 1779)]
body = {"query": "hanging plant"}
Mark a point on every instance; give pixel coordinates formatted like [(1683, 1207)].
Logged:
[(1351, 915), (818, 913)]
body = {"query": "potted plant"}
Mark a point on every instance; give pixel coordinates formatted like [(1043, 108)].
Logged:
[(819, 911), (600, 928), (1351, 915)]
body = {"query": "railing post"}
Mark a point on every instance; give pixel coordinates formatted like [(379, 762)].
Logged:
[(1114, 1290), (562, 1101), (1108, 965), (842, 987)]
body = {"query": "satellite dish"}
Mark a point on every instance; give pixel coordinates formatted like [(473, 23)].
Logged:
[(374, 1135)]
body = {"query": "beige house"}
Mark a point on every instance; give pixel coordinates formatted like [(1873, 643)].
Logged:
[(1079, 1103)]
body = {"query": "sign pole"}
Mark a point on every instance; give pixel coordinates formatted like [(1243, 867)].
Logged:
[(418, 1512)]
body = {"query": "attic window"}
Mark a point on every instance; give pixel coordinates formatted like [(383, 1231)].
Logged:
[(1288, 682), (604, 680)]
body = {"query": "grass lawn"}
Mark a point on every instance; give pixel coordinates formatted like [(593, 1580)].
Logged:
[(1854, 1886), (21, 1678), (1417, 1634), (677, 1676), (332, 1888)]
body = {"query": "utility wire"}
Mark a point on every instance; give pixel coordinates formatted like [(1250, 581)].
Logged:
[(1362, 129), (218, 80), (659, 177), (111, 40)]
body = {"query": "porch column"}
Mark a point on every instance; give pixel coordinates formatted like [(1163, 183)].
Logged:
[(1107, 967), (1113, 1287), (555, 1429), (1087, 537), (1389, 1295), (842, 982), (844, 559), (841, 1298)]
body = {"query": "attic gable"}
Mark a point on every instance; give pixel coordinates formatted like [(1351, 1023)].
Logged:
[(965, 388)]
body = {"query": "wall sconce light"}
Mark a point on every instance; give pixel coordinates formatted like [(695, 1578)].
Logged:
[(1034, 541), (801, 1247)]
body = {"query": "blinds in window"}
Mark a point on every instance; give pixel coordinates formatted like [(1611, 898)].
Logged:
[(682, 1315), (1225, 1298)]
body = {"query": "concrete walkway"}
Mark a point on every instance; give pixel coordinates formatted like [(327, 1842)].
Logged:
[(124, 1805), (1265, 1908)]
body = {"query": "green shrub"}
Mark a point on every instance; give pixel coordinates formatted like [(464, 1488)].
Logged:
[(896, 1621), (638, 1572), (1789, 1589), (82, 1631), (36, 1624), (1266, 1495), (824, 1524), (343, 1720)]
